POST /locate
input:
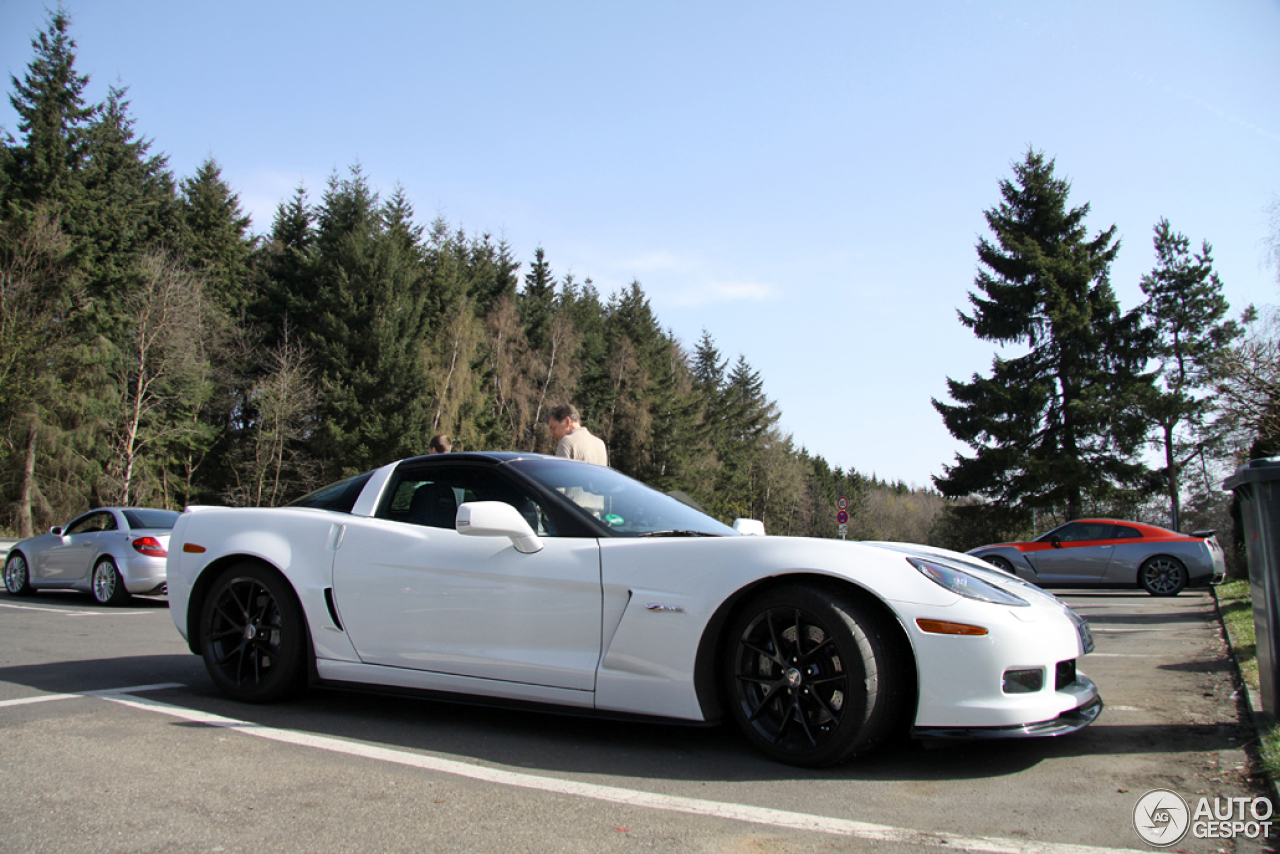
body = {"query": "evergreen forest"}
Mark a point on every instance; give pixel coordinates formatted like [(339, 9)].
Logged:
[(159, 351)]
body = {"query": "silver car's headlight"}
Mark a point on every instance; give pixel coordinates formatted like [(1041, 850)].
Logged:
[(963, 584)]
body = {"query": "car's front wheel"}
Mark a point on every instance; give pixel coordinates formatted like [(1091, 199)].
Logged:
[(1000, 563), (17, 578), (108, 587), (815, 676), (1163, 576), (252, 635)]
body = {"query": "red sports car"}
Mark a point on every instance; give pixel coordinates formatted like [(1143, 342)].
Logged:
[(1113, 553)]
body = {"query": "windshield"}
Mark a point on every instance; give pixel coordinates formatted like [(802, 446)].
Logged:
[(620, 504)]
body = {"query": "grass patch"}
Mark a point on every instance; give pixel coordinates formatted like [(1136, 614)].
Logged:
[(1236, 604)]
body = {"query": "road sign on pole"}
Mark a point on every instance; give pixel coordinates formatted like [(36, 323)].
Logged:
[(842, 503)]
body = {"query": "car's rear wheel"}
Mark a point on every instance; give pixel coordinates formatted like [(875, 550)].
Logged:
[(17, 578), (252, 635), (1000, 563), (108, 587), (1163, 576), (814, 676)]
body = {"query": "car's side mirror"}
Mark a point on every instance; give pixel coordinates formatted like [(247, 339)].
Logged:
[(1056, 542), (751, 527), (497, 519), (56, 530)]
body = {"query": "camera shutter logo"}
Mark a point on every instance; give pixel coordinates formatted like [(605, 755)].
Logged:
[(1161, 817)]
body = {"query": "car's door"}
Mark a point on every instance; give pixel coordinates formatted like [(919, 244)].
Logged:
[(1078, 553), (413, 592), (71, 557)]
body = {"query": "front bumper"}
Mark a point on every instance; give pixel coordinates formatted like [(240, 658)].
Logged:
[(1067, 722)]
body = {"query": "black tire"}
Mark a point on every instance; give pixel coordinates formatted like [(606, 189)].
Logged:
[(252, 635), (1162, 576), (815, 677), (106, 584), (1000, 563), (17, 576)]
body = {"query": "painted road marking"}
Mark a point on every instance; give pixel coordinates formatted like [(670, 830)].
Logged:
[(84, 612), (106, 692), (613, 794)]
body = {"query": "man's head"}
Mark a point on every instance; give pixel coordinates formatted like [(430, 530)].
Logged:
[(440, 444), (562, 419)]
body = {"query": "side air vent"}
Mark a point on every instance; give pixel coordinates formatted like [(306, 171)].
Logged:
[(333, 611)]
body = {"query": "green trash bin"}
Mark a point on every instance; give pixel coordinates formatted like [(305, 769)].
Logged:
[(1257, 488)]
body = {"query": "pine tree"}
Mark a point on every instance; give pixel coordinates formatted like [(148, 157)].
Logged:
[(1060, 423), (128, 205), (368, 328), (537, 300), (52, 116), (1186, 312), (42, 464), (216, 237)]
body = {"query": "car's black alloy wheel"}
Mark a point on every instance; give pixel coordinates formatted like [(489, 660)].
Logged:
[(814, 676), (252, 635), (17, 578), (1163, 576)]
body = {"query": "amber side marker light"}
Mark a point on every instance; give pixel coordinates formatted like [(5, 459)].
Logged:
[(942, 627), (192, 548)]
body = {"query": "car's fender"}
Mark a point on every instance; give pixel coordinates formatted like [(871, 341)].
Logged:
[(657, 612), (297, 542)]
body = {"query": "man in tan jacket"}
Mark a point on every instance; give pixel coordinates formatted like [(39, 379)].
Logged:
[(572, 439)]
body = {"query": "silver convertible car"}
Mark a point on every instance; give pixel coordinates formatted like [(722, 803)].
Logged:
[(536, 580), (111, 552)]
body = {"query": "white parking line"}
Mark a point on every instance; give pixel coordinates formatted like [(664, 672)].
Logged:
[(84, 612), (40, 608), (628, 797), (106, 692)]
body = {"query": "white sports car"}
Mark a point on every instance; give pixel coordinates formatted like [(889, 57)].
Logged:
[(531, 579)]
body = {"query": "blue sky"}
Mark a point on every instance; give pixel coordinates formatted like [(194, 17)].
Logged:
[(806, 181)]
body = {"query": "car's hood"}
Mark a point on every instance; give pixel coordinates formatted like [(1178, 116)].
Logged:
[(1018, 546)]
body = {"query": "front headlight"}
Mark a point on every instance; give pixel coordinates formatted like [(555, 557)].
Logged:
[(963, 584)]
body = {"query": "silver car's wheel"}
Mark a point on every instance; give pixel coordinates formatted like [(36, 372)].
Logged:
[(108, 586), (814, 677), (1163, 576), (17, 579)]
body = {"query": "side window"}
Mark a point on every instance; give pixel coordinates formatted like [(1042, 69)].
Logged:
[(91, 524), (1078, 532), (1120, 532), (431, 495), (340, 496), (79, 526)]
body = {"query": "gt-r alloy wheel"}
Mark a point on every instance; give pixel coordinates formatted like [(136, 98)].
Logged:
[(252, 635), (17, 579), (108, 586), (815, 677), (1000, 563), (1163, 576)]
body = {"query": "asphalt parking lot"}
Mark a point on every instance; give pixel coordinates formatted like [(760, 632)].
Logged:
[(112, 738)]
